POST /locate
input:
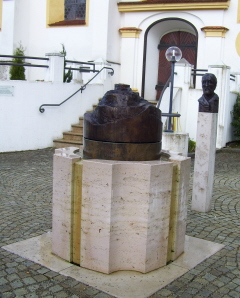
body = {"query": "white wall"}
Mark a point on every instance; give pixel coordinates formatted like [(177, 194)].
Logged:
[(25, 21), (23, 127), (7, 29)]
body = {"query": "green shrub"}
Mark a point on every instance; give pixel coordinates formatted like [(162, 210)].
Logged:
[(67, 76), (191, 145), (236, 117), (17, 72)]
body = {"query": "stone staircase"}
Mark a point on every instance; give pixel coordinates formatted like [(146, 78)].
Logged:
[(74, 138)]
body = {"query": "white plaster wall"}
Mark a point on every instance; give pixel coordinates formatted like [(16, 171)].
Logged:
[(114, 38), (99, 39), (23, 127), (7, 28)]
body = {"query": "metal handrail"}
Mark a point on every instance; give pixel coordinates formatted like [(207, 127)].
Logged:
[(160, 99), (41, 109), (81, 68), (10, 63), (198, 74), (232, 77), (23, 57), (23, 64)]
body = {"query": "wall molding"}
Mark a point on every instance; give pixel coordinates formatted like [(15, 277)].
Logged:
[(164, 5), (214, 31), (130, 32)]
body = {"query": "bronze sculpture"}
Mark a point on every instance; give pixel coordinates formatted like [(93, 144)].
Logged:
[(123, 126), (208, 103)]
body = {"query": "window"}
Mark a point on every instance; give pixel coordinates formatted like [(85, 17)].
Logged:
[(66, 12), (74, 10)]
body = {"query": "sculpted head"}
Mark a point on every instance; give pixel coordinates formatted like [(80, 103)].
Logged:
[(209, 83)]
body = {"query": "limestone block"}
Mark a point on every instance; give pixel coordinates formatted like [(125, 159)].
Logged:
[(125, 215), (204, 161), (62, 201), (176, 142), (179, 200)]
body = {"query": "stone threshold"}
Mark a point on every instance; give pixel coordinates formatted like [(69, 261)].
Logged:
[(121, 284)]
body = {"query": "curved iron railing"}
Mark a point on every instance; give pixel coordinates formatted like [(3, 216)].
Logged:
[(41, 109)]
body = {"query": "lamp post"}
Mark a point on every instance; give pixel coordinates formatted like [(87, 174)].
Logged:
[(173, 55)]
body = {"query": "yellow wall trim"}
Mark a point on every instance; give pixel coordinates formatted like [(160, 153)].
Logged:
[(215, 31), (124, 7), (238, 14), (134, 89), (238, 43), (55, 13), (130, 32)]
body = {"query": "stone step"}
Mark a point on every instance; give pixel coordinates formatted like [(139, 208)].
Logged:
[(78, 128), (62, 143), (72, 136), (80, 121)]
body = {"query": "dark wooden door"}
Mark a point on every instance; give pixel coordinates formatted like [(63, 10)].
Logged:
[(187, 42)]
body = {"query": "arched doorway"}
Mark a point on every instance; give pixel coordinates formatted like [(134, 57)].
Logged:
[(187, 42), (151, 54)]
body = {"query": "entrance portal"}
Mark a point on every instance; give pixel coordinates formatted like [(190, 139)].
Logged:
[(187, 42)]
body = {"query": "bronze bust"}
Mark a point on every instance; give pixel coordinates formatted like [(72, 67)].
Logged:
[(208, 103)]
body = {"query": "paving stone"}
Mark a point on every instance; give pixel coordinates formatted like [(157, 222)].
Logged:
[(26, 211), (29, 280), (16, 284)]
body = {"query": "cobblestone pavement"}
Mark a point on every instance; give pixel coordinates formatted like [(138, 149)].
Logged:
[(25, 209)]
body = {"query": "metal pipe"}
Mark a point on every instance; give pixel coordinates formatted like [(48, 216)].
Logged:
[(173, 61)]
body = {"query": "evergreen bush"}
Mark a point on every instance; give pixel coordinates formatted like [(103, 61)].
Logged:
[(67, 76), (17, 72), (191, 145), (236, 117)]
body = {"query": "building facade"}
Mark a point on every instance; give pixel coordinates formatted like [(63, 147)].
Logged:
[(133, 36)]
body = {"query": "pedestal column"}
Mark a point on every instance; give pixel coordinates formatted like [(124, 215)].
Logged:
[(204, 161), (125, 215)]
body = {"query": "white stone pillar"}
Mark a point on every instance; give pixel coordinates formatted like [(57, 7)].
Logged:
[(204, 161), (129, 47), (125, 215), (55, 70), (222, 73), (182, 80), (176, 142), (62, 214)]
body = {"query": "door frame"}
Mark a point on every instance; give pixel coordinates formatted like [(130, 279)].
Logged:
[(145, 45)]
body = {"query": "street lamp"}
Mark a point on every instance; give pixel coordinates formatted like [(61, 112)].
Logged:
[(173, 55)]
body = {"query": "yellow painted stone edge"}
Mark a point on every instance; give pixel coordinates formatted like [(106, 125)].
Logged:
[(220, 32), (238, 43), (55, 12), (172, 6), (76, 211), (134, 89), (238, 15), (130, 32)]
